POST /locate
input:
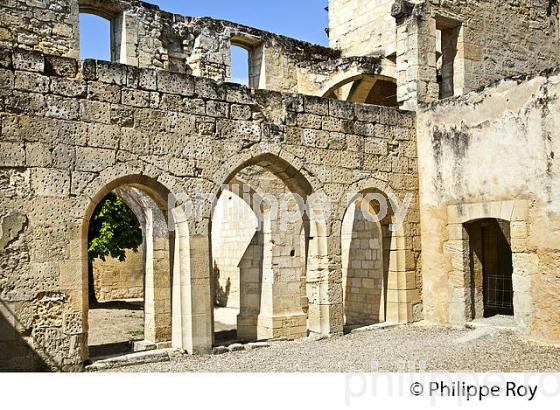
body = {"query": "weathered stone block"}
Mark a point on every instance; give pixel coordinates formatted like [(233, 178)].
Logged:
[(341, 109), (95, 111), (315, 105), (93, 159), (27, 60), (11, 226), (80, 180), (147, 79), (29, 81), (6, 80), (238, 94), (60, 66), (136, 98), (174, 83), (208, 89), (68, 87), (104, 92), (62, 107), (5, 58), (20, 102), (38, 155), (89, 70), (240, 112), (111, 73), (217, 109), (122, 115), (50, 182), (309, 121)]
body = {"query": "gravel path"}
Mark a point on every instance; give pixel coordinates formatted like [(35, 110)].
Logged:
[(425, 348)]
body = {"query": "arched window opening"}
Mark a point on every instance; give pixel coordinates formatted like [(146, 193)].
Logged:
[(383, 93), (366, 89)]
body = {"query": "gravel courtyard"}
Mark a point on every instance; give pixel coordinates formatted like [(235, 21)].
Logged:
[(403, 348)]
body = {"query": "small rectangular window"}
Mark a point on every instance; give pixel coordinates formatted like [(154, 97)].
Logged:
[(448, 70), (240, 64)]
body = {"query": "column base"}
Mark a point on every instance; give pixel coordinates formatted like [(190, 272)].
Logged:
[(293, 326), (247, 327)]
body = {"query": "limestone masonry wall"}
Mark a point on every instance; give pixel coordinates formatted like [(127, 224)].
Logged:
[(362, 27), (71, 132), (161, 127), (116, 280)]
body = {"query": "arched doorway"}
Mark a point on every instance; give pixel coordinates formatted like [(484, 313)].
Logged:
[(147, 199), (260, 237)]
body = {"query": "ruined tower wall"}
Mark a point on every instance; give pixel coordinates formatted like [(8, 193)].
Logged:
[(492, 154), (497, 38), (362, 27)]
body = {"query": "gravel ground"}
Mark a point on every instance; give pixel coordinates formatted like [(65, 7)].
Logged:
[(394, 349)]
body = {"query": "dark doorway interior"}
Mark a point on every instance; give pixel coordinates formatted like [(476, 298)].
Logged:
[(491, 264)]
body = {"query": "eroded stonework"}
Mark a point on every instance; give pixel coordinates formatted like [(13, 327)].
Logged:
[(159, 126)]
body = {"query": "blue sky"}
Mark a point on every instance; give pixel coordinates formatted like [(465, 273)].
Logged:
[(301, 19)]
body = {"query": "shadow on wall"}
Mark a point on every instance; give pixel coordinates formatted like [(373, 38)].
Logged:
[(222, 292), (15, 353)]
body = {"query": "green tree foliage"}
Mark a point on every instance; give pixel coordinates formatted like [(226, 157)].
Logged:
[(113, 229)]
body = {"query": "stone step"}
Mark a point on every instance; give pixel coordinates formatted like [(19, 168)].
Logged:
[(151, 356), (376, 326)]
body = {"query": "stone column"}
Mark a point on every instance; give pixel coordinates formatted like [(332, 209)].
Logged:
[(157, 287), (250, 287), (192, 305), (416, 54), (281, 313), (324, 282)]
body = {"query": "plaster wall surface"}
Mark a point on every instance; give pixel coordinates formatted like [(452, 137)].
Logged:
[(492, 154)]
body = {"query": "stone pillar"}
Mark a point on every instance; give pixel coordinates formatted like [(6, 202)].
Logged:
[(324, 282), (157, 287), (192, 304), (402, 292), (416, 54), (250, 287), (149, 281), (281, 313)]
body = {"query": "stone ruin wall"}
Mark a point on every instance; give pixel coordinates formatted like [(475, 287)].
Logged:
[(146, 36), (492, 155), (69, 129)]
